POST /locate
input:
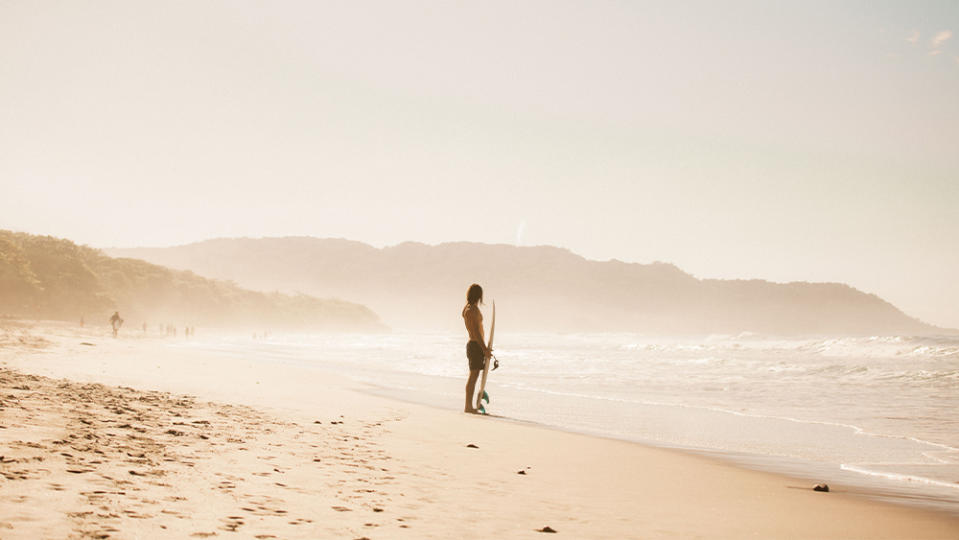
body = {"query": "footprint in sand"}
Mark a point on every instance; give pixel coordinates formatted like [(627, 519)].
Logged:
[(231, 523)]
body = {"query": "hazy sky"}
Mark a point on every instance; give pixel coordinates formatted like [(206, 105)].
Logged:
[(787, 141)]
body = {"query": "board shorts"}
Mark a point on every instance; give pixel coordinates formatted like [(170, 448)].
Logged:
[(474, 352)]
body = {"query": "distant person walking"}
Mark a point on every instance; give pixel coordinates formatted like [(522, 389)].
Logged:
[(116, 322), (476, 351)]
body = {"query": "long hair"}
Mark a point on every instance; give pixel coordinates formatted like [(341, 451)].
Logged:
[(474, 294)]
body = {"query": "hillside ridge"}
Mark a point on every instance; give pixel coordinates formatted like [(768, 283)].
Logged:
[(421, 286), (43, 277)]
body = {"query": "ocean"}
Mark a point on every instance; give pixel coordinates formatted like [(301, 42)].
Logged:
[(877, 414)]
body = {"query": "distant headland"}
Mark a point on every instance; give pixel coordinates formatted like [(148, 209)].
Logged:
[(543, 288), (42, 277)]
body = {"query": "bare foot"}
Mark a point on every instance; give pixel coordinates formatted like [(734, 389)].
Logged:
[(471, 411)]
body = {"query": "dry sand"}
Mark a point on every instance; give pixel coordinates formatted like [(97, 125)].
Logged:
[(286, 453)]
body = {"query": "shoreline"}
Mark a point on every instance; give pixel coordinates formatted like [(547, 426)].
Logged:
[(635, 489), (798, 469)]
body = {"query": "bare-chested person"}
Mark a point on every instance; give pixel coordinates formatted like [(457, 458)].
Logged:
[(116, 322), (476, 350)]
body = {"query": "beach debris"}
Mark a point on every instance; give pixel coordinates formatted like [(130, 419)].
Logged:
[(546, 529), (317, 422), (341, 509), (471, 445), (521, 471), (821, 487), (88, 344)]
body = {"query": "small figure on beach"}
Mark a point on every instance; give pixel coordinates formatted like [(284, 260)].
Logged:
[(476, 351), (116, 322)]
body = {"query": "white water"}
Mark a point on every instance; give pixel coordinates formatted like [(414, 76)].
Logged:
[(879, 413)]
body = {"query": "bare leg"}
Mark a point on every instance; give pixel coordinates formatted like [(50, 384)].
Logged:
[(470, 388)]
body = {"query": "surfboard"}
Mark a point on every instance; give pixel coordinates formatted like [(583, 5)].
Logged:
[(483, 396)]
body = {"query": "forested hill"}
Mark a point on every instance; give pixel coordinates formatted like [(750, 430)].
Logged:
[(419, 286), (42, 277)]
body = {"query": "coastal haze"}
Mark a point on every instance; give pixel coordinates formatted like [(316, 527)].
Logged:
[(805, 141), (720, 237), (49, 278), (420, 287)]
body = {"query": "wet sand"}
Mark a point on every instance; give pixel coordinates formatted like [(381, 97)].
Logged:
[(133, 438)]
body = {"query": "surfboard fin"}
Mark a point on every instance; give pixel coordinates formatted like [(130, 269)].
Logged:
[(485, 396)]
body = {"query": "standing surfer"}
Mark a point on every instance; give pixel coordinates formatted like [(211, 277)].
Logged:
[(476, 350)]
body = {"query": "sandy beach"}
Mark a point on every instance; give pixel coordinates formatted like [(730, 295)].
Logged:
[(138, 438), (252, 253)]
